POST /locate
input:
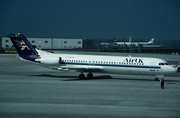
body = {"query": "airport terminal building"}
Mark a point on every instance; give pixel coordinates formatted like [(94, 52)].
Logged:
[(100, 45), (47, 43)]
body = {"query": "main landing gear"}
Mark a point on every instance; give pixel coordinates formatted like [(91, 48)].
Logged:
[(89, 76), (81, 76)]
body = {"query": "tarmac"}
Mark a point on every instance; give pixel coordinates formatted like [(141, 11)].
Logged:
[(28, 90)]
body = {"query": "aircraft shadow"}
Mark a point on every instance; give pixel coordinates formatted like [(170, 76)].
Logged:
[(75, 78), (103, 77), (55, 76)]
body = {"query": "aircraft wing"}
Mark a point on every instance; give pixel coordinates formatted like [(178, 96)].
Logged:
[(82, 69)]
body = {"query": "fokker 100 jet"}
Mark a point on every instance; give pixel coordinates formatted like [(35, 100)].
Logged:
[(90, 63)]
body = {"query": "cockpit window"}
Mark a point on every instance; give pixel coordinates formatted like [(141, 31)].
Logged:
[(163, 64)]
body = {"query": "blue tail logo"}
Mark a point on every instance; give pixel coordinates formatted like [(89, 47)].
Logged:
[(22, 44), (23, 47)]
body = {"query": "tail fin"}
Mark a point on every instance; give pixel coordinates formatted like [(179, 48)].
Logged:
[(23, 47), (151, 41)]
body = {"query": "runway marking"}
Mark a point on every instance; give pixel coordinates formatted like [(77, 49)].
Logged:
[(171, 83)]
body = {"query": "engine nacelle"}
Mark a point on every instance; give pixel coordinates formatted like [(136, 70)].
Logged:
[(50, 60)]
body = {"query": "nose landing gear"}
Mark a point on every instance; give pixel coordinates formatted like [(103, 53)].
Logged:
[(156, 79)]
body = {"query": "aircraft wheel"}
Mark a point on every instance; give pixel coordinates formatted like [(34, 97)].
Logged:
[(90, 75), (156, 79), (81, 76)]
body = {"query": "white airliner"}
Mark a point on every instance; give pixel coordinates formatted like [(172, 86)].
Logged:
[(135, 43), (90, 63)]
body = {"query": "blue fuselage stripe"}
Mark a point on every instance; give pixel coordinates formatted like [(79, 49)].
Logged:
[(113, 65)]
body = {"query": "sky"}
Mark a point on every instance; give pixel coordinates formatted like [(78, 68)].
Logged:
[(91, 19)]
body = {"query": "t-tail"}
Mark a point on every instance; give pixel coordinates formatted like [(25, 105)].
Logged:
[(23, 47), (151, 41)]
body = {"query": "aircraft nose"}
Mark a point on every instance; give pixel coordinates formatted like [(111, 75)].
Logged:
[(169, 70), (172, 69)]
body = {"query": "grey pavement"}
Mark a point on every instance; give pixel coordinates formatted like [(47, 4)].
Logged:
[(28, 90)]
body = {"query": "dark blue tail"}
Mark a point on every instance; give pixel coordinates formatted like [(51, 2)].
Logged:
[(23, 47)]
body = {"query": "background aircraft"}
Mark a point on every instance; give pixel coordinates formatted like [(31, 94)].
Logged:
[(134, 43)]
